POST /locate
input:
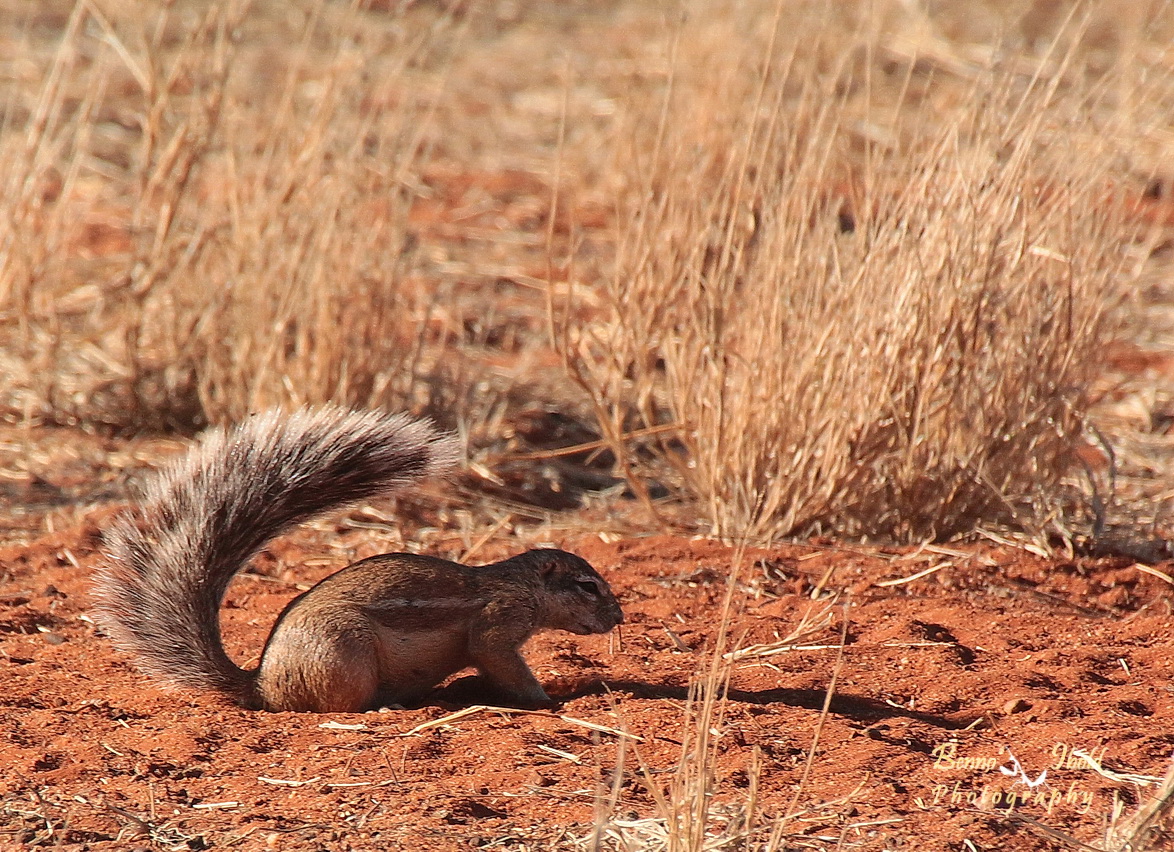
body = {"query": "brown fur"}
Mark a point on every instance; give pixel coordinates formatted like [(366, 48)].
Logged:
[(384, 630)]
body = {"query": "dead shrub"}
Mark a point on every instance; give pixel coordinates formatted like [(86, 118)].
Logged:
[(846, 298)]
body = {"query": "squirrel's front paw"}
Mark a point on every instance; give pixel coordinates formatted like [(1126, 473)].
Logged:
[(544, 703), (536, 700)]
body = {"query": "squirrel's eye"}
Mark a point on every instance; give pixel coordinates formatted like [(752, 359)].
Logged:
[(589, 586)]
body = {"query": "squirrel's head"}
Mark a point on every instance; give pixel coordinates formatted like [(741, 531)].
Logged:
[(578, 599)]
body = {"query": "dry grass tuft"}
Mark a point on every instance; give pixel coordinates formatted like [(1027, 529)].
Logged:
[(207, 213), (1151, 827), (871, 288), (688, 818)]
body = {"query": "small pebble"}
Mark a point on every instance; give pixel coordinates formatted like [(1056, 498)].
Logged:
[(1016, 705)]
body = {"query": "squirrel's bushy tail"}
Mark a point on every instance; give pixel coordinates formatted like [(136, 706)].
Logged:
[(168, 564)]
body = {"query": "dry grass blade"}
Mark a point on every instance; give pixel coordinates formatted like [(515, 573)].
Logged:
[(603, 729), (447, 719), (800, 788), (473, 709), (286, 782), (900, 581), (1154, 572), (813, 622), (1119, 777)]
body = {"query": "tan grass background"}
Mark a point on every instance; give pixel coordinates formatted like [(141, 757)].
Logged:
[(871, 303), (802, 267)]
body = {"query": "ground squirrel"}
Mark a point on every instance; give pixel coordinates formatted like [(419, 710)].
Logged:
[(381, 631)]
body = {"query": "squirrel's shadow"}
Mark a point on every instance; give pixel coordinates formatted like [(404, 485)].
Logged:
[(472, 689)]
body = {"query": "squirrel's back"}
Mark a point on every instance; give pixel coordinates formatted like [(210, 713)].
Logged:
[(169, 562)]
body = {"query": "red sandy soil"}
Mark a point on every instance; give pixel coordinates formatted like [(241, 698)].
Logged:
[(944, 682)]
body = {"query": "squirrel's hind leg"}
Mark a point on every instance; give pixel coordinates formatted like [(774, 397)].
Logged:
[(324, 671)]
